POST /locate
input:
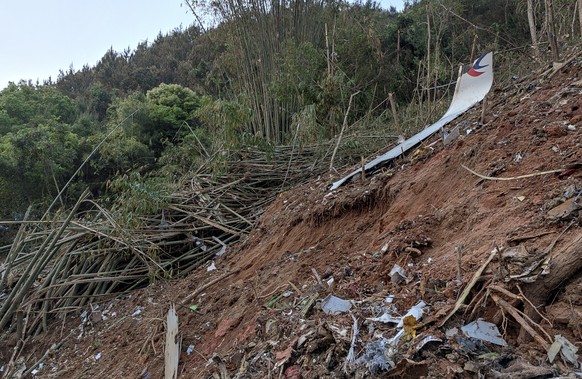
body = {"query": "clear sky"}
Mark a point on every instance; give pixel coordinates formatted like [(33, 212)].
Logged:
[(40, 37)]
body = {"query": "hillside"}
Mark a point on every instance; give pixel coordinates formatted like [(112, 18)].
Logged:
[(259, 314)]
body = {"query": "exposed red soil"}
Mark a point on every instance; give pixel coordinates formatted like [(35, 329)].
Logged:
[(257, 322)]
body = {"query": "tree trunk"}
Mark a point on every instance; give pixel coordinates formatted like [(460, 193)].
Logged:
[(532, 28), (564, 263), (552, 30), (398, 44)]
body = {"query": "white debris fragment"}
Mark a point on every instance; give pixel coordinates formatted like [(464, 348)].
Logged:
[(137, 311), (569, 350), (333, 305), (416, 311), (190, 349), (386, 318), (426, 340), (212, 267), (485, 331), (398, 275), (98, 356), (450, 333), (222, 249)]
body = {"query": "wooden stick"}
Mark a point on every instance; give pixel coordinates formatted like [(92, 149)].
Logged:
[(344, 126), (394, 114), (523, 323), (469, 287), (483, 110), (209, 284), (511, 178)]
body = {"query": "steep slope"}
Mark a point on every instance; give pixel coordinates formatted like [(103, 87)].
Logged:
[(259, 314)]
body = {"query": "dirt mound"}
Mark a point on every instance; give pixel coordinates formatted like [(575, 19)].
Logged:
[(414, 234)]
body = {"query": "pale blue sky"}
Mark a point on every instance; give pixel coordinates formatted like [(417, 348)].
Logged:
[(40, 37)]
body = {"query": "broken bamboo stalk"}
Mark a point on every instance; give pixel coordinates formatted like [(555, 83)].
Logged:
[(173, 343), (469, 286), (512, 178), (522, 322), (344, 126), (209, 284)]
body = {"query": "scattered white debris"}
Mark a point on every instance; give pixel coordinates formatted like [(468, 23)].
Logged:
[(571, 127), (190, 349), (212, 267), (553, 351), (386, 318), (333, 305), (137, 311), (450, 333), (416, 311), (426, 340), (330, 281), (222, 249), (485, 331), (398, 275), (98, 356), (568, 350)]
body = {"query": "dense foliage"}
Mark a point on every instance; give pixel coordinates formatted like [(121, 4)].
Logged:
[(269, 72)]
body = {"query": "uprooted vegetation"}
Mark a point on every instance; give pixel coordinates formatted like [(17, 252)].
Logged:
[(426, 235)]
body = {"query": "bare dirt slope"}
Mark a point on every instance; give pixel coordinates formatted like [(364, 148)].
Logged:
[(259, 314)]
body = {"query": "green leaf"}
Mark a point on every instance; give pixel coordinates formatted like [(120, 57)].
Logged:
[(193, 307)]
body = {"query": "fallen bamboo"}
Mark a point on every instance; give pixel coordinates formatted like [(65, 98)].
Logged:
[(512, 178), (207, 285), (520, 320), (61, 265), (469, 286)]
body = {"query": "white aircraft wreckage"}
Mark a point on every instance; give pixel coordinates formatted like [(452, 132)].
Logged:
[(471, 88)]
